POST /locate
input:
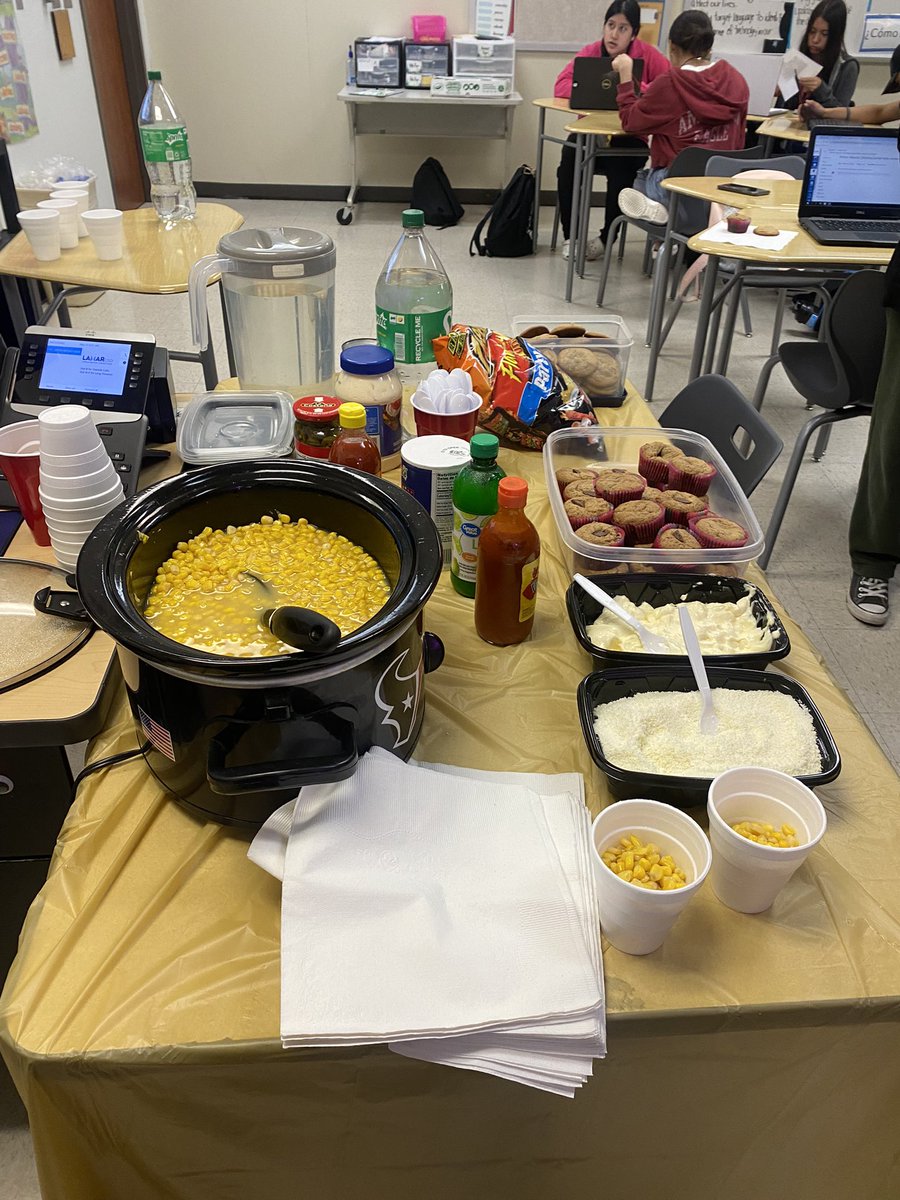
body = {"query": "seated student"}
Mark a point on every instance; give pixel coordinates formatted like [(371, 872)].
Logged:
[(621, 26), (893, 84), (863, 114), (823, 42), (698, 103)]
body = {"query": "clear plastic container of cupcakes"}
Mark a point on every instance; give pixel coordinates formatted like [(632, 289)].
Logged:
[(629, 499)]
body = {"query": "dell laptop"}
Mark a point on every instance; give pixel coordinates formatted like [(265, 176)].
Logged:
[(851, 187), (594, 83)]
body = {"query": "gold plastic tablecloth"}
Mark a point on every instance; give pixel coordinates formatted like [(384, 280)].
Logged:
[(754, 1058)]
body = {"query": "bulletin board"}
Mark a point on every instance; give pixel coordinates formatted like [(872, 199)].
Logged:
[(571, 24), (17, 119)]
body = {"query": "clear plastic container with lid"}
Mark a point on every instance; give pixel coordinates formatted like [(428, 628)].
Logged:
[(231, 426), (367, 377)]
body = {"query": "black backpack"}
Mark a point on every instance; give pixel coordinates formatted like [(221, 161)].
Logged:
[(431, 191), (510, 220)]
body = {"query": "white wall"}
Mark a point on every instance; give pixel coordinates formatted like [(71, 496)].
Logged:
[(64, 100), (257, 84)]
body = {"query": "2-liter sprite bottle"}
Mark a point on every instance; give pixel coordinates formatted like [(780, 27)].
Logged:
[(413, 301)]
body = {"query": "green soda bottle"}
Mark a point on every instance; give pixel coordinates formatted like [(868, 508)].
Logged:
[(474, 501)]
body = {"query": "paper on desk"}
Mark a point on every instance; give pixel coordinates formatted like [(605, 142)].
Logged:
[(795, 66), (719, 233)]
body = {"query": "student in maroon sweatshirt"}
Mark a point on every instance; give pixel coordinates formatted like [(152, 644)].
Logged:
[(698, 103)]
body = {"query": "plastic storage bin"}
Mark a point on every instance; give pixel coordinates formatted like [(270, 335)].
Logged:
[(608, 447), (424, 61), (482, 56), (610, 339), (379, 62), (220, 427), (658, 590), (682, 791)]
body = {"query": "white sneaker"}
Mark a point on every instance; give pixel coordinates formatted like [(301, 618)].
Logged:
[(636, 205), (565, 248), (595, 249)]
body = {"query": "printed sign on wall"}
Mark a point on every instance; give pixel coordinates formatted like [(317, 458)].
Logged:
[(17, 119)]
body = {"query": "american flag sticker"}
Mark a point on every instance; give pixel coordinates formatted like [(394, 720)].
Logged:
[(157, 735)]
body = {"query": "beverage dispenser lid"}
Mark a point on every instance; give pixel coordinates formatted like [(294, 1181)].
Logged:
[(280, 252)]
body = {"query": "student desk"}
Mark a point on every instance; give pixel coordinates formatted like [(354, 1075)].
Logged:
[(414, 112), (557, 104), (785, 128), (156, 261), (140, 1020)]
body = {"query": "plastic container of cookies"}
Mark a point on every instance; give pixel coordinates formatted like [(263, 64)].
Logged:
[(597, 359), (601, 447)]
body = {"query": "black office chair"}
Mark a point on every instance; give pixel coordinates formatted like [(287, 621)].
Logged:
[(838, 373), (713, 406)]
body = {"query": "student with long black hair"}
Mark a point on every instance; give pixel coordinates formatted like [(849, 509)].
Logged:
[(823, 42)]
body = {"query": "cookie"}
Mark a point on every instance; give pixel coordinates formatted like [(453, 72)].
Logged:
[(568, 331), (766, 231), (604, 379), (577, 361), (603, 337), (534, 331)]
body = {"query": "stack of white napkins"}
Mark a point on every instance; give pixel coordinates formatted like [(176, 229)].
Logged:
[(450, 913)]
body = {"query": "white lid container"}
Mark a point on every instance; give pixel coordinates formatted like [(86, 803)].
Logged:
[(232, 426)]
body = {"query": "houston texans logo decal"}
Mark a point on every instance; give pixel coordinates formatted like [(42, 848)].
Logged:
[(399, 696)]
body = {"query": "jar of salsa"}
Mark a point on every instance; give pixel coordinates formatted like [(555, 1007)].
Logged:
[(316, 425)]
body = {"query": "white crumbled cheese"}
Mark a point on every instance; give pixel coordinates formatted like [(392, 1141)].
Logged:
[(659, 733), (727, 627)]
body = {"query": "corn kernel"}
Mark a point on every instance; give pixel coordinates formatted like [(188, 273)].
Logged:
[(765, 834)]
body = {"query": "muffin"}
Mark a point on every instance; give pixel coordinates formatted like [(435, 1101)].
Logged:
[(617, 485), (582, 510), (675, 537), (653, 461), (653, 493), (601, 533), (680, 506), (582, 486), (640, 519), (717, 533), (687, 474), (567, 475)]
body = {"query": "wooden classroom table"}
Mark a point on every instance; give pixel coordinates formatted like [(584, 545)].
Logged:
[(156, 261), (749, 1057)]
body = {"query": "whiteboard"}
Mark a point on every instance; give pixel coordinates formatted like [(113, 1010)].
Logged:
[(743, 25)]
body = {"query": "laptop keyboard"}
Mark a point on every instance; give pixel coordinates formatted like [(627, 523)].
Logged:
[(857, 226), (823, 122)]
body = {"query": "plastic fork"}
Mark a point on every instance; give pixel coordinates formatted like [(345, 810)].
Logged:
[(652, 642), (709, 722)]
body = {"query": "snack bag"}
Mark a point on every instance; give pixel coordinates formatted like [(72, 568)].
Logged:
[(524, 397)]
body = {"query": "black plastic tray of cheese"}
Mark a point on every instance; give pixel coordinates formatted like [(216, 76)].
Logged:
[(669, 588), (682, 791)]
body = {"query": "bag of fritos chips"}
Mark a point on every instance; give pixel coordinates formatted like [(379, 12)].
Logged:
[(523, 396)]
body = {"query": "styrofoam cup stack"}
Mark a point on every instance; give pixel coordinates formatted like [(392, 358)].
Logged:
[(41, 227), (745, 875), (633, 919), (82, 203), (77, 489), (105, 228), (68, 220)]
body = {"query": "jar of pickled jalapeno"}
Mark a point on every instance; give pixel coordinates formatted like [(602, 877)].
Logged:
[(316, 425)]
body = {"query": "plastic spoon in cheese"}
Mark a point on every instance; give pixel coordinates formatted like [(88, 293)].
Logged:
[(651, 641), (709, 722)]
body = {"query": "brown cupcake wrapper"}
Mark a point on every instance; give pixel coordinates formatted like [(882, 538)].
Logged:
[(708, 542), (684, 481), (654, 470), (577, 522)]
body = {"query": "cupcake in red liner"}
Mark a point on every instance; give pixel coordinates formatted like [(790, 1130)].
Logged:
[(617, 485), (582, 510), (681, 506), (653, 461), (567, 475), (676, 537), (687, 474), (653, 493), (640, 519), (582, 486), (601, 533), (718, 533)]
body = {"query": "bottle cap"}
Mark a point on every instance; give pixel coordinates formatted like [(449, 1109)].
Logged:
[(367, 360), (413, 218), (512, 492), (484, 445), (154, 74), (352, 416)]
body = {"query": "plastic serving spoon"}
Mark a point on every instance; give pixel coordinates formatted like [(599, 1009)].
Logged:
[(302, 628), (651, 642), (709, 722)]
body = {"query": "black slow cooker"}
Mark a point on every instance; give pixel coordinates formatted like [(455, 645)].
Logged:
[(234, 738)]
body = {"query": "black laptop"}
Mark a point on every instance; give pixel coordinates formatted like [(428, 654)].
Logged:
[(594, 82), (851, 187)]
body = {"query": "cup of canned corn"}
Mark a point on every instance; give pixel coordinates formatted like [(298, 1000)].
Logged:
[(762, 826), (649, 861)]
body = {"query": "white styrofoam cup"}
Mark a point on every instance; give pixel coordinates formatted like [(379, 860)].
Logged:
[(82, 202), (41, 227), (105, 228), (68, 220)]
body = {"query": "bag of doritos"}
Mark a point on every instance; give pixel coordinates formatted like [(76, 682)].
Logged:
[(523, 396)]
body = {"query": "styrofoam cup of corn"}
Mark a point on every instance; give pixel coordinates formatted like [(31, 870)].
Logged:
[(748, 875), (634, 919)]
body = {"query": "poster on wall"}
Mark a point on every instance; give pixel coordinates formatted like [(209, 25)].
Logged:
[(17, 119)]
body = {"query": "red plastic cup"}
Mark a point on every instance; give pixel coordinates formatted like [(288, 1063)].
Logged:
[(20, 462), (459, 425)]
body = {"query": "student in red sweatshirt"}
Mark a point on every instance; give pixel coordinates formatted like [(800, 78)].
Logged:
[(698, 103), (621, 26)]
